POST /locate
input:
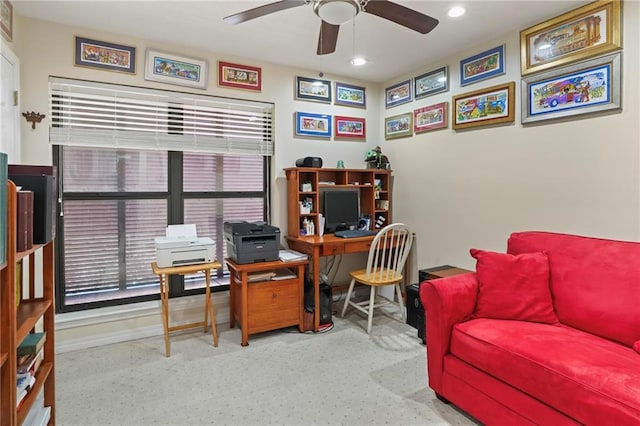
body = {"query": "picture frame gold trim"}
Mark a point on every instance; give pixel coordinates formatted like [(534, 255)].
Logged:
[(484, 107), (581, 44), (398, 126)]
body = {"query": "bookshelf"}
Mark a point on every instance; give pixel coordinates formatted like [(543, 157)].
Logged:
[(305, 185), (16, 321)]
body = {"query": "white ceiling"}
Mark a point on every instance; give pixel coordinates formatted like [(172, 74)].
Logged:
[(290, 37)]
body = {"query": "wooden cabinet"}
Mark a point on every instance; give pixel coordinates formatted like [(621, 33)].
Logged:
[(17, 321), (305, 186)]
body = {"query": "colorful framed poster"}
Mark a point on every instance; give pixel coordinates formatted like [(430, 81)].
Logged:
[(491, 105), (175, 69), (582, 33), (398, 126), (106, 56), (436, 81), (350, 127), (397, 94), (313, 89), (309, 124), (239, 76), (431, 117), (349, 95), (6, 19), (482, 66), (586, 87)]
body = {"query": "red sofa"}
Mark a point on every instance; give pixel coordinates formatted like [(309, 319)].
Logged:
[(573, 361)]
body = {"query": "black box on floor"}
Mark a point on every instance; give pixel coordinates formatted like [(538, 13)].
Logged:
[(426, 274), (326, 296), (415, 311)]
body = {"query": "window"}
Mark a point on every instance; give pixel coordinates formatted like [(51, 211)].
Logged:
[(115, 200)]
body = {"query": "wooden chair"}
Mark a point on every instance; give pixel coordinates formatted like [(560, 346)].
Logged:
[(387, 256)]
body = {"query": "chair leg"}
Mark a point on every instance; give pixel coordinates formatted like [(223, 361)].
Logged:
[(403, 312), (372, 300), (346, 301)]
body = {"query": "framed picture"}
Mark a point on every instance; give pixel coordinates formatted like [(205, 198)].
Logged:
[(106, 56), (350, 127), (491, 105), (397, 94), (482, 66), (582, 33), (430, 118), (239, 76), (436, 81), (6, 19), (586, 87), (313, 89), (398, 126), (309, 124), (175, 69), (349, 95)]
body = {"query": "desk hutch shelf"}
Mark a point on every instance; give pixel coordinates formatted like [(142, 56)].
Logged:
[(18, 320), (305, 186)]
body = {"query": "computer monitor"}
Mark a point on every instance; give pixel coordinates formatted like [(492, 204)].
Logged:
[(341, 209)]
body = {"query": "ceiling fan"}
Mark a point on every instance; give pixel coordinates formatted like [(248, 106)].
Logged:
[(336, 12)]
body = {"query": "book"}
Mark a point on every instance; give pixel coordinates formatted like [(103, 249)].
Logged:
[(283, 274), (260, 276), (291, 255), (32, 344), (29, 364)]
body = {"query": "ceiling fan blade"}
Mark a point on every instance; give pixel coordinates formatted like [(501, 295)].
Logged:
[(259, 11), (328, 38), (401, 15)]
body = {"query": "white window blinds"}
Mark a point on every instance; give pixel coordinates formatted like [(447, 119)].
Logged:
[(105, 115)]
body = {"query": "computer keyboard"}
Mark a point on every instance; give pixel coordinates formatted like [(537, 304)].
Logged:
[(354, 233)]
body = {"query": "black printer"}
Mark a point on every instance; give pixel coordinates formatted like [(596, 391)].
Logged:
[(249, 242)]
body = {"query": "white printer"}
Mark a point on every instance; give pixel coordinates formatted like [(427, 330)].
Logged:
[(181, 246)]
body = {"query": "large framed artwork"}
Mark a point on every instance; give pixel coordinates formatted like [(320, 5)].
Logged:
[(175, 69), (239, 76), (487, 64), (310, 124), (582, 33), (430, 83), (350, 127), (586, 87), (431, 117), (6, 19), (313, 89), (105, 56), (491, 105), (397, 94), (349, 95), (398, 126)]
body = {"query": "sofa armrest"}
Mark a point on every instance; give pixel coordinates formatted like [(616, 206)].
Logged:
[(446, 301)]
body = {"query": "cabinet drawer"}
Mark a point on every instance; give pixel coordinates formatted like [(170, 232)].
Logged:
[(273, 304), (332, 249), (358, 247)]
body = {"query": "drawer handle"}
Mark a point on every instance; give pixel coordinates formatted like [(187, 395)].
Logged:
[(274, 295)]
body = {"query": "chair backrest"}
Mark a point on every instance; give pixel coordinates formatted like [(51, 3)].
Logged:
[(388, 252)]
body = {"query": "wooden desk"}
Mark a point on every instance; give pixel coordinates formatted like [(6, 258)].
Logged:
[(163, 276), (265, 305), (326, 245)]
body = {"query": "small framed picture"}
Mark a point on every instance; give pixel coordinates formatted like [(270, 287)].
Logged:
[(239, 76), (397, 94), (175, 69), (105, 56), (487, 64), (349, 95), (309, 124), (436, 81), (313, 89), (491, 105), (398, 126), (431, 117), (350, 127), (6, 19)]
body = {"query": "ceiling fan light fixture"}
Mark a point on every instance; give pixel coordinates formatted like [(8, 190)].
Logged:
[(336, 12)]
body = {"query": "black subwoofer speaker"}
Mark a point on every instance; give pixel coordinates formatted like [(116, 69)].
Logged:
[(415, 311)]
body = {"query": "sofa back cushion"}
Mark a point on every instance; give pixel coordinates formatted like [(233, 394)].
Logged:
[(595, 283)]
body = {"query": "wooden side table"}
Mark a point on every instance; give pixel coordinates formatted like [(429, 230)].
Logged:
[(163, 276), (268, 304)]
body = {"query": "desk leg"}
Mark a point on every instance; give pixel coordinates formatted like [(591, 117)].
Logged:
[(301, 298), (316, 288), (232, 298), (245, 307), (164, 303), (208, 309)]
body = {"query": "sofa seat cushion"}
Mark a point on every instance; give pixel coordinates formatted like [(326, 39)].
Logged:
[(594, 380)]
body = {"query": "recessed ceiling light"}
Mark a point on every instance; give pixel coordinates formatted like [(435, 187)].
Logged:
[(358, 61), (456, 11)]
